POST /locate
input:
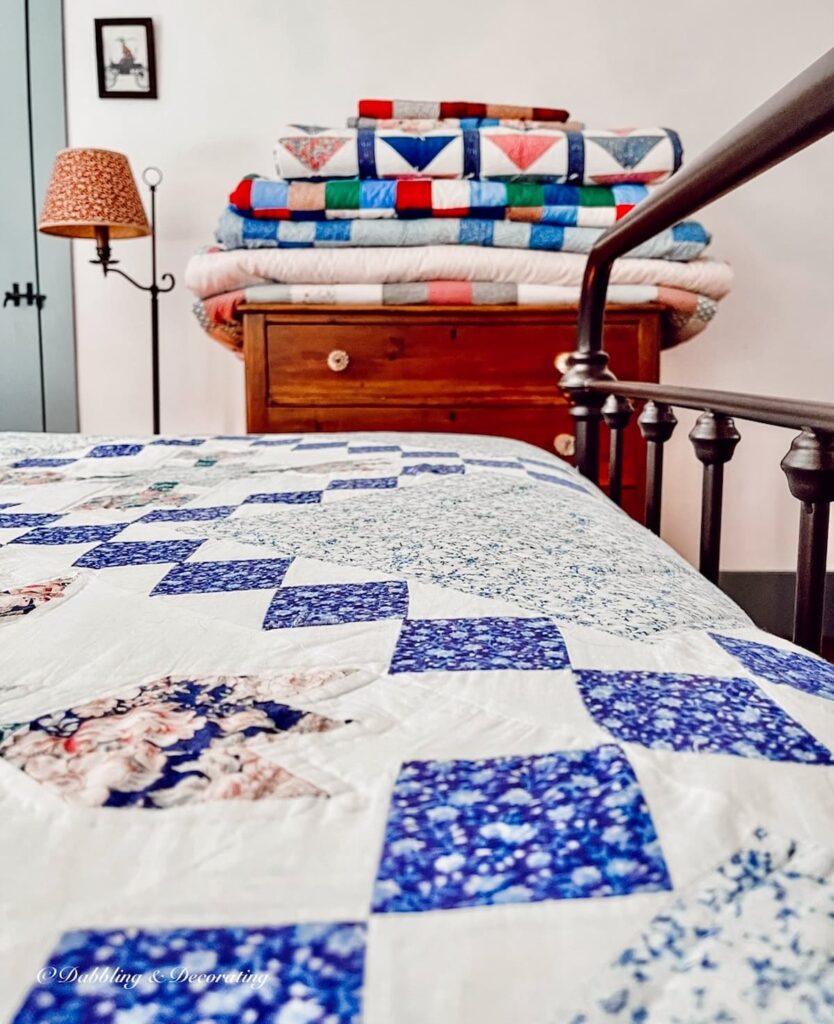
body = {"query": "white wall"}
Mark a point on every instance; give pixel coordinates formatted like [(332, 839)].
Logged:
[(231, 72)]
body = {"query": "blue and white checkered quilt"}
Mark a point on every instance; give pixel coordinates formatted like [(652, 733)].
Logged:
[(393, 729)]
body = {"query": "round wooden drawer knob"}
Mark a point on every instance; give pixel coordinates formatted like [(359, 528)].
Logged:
[(562, 361), (565, 445), (338, 360)]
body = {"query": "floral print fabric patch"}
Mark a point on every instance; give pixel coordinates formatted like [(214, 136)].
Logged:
[(331, 604), (811, 675), (290, 975), (751, 942), (211, 577), (22, 600), (465, 645), (565, 825), (137, 552), (170, 742), (698, 714)]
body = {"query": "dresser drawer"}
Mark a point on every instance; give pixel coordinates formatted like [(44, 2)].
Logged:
[(323, 365)]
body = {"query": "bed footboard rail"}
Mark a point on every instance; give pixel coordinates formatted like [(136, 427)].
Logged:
[(795, 117)]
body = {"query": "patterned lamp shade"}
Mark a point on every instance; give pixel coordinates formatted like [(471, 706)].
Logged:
[(93, 189)]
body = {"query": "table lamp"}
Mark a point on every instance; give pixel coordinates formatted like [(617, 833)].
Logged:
[(92, 194)]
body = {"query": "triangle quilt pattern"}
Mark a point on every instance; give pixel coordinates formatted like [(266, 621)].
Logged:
[(523, 150), (628, 151), (314, 152), (418, 150)]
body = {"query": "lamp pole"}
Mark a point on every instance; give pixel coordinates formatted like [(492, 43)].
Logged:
[(151, 176)]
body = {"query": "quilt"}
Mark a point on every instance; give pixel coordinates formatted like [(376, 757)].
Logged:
[(565, 205), (638, 155), (685, 241), (686, 313), (450, 109), (425, 124), (387, 729)]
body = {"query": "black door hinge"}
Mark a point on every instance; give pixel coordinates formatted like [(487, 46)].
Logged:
[(29, 298)]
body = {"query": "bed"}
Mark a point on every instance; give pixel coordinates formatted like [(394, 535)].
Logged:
[(389, 727), (403, 728)]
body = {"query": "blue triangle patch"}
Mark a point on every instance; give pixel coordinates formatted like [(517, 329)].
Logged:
[(418, 150), (627, 150)]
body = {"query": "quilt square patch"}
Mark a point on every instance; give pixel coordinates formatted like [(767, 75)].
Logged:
[(188, 515), (465, 645), (210, 577), (372, 449), (25, 599), (562, 481), (697, 714), (41, 463), (495, 463), (311, 446), (287, 498), (331, 604), (137, 552), (274, 442), (290, 975), (114, 451), (811, 675), (377, 483), (440, 469), (566, 825), (13, 520), (169, 742), (431, 455), (180, 442), (71, 534)]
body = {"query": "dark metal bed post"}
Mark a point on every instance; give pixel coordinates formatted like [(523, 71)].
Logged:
[(809, 467), (714, 438)]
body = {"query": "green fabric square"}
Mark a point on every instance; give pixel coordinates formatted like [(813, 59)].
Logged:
[(524, 194), (341, 195)]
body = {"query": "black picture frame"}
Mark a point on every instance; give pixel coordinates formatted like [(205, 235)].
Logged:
[(139, 72)]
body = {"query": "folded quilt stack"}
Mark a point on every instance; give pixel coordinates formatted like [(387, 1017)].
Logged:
[(455, 204)]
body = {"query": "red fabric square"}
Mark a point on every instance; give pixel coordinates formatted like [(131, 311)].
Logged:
[(414, 194), (376, 108)]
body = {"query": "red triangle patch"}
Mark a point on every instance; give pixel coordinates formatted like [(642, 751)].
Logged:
[(313, 152), (525, 148)]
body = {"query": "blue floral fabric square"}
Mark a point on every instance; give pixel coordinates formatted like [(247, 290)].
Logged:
[(271, 442), (14, 520), (114, 451), (465, 645), (811, 675), (439, 469), (565, 825), (431, 455), (318, 445), (41, 463), (372, 449), (137, 552), (358, 484), (208, 577), (288, 498), (71, 534), (180, 442), (698, 714), (188, 515), (563, 481), (495, 463), (330, 604), (295, 974)]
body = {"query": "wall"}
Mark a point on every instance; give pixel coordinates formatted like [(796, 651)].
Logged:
[(231, 73)]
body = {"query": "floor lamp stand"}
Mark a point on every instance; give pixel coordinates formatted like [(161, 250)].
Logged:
[(151, 176)]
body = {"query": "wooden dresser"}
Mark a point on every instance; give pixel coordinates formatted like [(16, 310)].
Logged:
[(467, 369)]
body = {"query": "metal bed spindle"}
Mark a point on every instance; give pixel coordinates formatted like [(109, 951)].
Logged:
[(795, 117)]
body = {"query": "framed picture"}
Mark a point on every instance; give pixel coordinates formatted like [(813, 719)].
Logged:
[(125, 58)]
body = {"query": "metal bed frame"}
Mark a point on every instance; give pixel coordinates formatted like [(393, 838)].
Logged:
[(795, 117)]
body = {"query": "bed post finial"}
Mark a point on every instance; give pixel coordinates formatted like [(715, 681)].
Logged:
[(589, 365)]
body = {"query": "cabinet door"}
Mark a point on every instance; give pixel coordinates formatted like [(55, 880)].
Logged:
[(37, 350)]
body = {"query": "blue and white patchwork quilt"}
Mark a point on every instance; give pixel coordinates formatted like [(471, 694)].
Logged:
[(393, 729)]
